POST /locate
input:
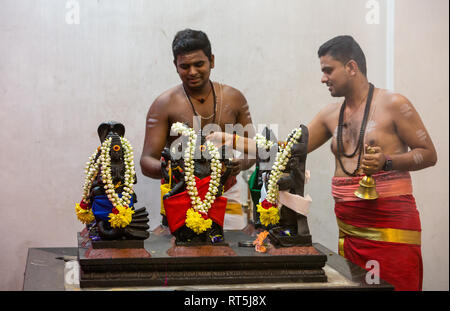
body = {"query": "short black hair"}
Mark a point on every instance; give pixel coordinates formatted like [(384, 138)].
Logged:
[(343, 49), (189, 40)]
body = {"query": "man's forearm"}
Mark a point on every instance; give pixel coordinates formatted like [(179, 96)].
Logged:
[(413, 160), (151, 167), (246, 163)]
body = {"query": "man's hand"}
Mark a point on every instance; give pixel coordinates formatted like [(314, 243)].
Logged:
[(373, 160), (221, 138), (236, 167)]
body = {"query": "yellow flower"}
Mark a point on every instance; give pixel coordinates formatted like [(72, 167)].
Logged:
[(122, 218), (268, 216), (196, 222), (84, 215)]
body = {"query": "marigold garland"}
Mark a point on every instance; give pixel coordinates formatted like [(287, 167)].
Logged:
[(196, 222), (259, 242), (84, 215), (120, 217), (269, 215)]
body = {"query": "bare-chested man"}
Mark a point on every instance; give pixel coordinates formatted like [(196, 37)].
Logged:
[(198, 102), (376, 234), (381, 234), (387, 229)]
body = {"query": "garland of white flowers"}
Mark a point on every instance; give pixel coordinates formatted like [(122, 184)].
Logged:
[(121, 213), (105, 160), (279, 165), (269, 212), (195, 221), (262, 142)]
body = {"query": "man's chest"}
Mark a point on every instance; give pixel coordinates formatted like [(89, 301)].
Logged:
[(374, 131), (205, 114)]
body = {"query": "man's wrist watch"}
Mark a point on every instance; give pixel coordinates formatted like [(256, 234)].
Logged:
[(388, 164)]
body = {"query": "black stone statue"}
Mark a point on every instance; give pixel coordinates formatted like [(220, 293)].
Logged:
[(100, 229), (292, 229), (202, 169)]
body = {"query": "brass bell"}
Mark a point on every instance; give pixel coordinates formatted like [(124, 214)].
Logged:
[(367, 187)]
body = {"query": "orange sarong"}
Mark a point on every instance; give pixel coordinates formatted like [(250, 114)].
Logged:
[(387, 229)]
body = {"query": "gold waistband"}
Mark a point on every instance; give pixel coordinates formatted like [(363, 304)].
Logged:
[(233, 208), (380, 234)]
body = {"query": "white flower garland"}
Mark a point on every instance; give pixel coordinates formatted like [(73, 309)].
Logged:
[(262, 142), (104, 160), (216, 167), (279, 165), (91, 171)]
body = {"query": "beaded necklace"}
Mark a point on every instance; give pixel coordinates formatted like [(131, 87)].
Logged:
[(359, 145)]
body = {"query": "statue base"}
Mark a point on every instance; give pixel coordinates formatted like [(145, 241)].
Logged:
[(289, 241), (163, 263), (200, 243), (118, 244)]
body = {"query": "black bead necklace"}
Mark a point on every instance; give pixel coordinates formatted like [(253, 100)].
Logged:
[(359, 147), (193, 108)]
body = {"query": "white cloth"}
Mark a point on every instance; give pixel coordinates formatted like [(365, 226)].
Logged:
[(233, 194), (263, 188), (295, 202), (234, 221)]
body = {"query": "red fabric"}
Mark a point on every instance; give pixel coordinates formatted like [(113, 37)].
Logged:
[(398, 212), (176, 206), (389, 184), (400, 263)]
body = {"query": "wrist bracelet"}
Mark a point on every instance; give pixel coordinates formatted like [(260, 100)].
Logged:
[(235, 138), (388, 164)]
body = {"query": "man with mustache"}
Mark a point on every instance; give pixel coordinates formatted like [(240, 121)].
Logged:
[(198, 102), (379, 133), (373, 132)]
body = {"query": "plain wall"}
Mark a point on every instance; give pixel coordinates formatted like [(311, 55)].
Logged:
[(59, 81)]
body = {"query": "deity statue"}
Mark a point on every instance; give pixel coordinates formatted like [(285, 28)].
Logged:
[(108, 204), (206, 226), (291, 229)]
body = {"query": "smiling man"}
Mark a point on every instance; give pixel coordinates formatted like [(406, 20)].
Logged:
[(386, 229), (198, 102)]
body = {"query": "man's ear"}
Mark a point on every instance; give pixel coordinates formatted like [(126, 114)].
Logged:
[(211, 61), (352, 67)]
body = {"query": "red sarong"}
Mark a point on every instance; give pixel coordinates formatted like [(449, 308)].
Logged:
[(386, 229)]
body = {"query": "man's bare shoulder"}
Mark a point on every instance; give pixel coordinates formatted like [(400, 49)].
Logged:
[(331, 109), (163, 103), (167, 96), (393, 102), (232, 93), (327, 117)]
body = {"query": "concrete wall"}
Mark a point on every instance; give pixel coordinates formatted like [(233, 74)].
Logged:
[(421, 73), (60, 77)]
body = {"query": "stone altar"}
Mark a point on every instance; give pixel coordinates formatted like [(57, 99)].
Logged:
[(163, 263)]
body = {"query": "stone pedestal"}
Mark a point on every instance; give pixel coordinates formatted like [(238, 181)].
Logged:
[(163, 263)]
